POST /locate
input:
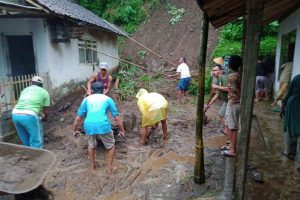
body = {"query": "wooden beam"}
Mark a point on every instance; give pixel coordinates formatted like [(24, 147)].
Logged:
[(277, 9), (24, 16), (219, 21), (21, 10), (37, 5), (224, 7), (253, 16), (210, 3), (199, 174)]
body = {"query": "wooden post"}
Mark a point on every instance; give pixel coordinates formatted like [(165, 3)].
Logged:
[(199, 175), (253, 16)]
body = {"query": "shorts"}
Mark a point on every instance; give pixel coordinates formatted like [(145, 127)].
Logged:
[(183, 84), (222, 110), (232, 115), (107, 139), (260, 83)]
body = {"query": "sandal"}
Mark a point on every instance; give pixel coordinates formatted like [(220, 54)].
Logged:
[(224, 148), (227, 154)]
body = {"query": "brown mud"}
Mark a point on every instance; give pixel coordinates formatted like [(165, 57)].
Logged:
[(155, 171)]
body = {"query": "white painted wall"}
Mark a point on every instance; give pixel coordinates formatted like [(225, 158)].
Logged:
[(287, 25), (34, 27), (60, 60), (63, 58)]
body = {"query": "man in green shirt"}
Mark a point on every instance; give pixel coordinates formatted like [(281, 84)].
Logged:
[(33, 101), (220, 80)]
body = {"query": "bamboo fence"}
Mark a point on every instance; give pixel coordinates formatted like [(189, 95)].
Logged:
[(11, 88)]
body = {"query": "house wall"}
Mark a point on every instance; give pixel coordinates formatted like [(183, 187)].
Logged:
[(287, 25), (63, 60), (59, 60), (34, 27)]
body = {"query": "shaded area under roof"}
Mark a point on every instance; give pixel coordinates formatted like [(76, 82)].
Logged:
[(75, 11), (220, 12)]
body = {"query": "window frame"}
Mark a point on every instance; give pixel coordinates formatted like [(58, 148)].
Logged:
[(93, 51)]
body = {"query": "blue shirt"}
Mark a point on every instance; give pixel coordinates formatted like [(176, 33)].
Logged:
[(95, 108)]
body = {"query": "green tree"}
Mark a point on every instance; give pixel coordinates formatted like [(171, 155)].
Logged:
[(128, 14), (231, 36)]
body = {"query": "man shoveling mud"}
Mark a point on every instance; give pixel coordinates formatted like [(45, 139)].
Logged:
[(27, 114), (154, 109), (95, 108)]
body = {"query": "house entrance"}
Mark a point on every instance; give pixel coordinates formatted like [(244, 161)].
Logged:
[(21, 55)]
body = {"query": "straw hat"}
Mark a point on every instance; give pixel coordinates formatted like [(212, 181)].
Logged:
[(218, 60)]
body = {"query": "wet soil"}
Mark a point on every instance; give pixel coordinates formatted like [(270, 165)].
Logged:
[(165, 171), (170, 41), (22, 169), (155, 171), (280, 178)]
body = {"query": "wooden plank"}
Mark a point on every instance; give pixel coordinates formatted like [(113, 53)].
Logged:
[(218, 21), (199, 172), (220, 11), (253, 16), (278, 9), (225, 7)]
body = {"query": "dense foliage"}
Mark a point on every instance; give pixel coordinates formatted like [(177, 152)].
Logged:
[(231, 36), (127, 14)]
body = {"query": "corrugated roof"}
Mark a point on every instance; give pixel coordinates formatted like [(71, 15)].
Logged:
[(75, 11)]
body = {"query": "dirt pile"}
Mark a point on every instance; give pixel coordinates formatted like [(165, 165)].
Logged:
[(170, 41)]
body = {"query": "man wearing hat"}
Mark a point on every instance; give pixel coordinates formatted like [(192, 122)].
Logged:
[(102, 77), (96, 124), (33, 101)]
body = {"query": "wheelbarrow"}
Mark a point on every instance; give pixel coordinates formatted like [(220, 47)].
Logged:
[(23, 169)]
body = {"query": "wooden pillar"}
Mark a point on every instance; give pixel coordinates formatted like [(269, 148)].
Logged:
[(253, 17), (199, 175), (243, 44)]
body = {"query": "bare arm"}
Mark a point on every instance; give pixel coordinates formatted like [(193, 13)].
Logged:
[(108, 85), (221, 88), (44, 113), (118, 120), (216, 96), (76, 123), (177, 75), (89, 84)]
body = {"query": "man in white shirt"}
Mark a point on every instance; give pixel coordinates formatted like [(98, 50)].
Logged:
[(183, 72)]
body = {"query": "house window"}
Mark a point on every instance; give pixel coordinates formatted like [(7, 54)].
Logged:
[(87, 51)]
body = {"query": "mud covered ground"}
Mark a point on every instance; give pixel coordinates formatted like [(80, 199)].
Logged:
[(165, 171), (156, 171)]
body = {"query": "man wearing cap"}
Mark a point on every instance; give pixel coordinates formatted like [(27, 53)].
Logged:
[(33, 101), (183, 71), (102, 77), (96, 124), (154, 109)]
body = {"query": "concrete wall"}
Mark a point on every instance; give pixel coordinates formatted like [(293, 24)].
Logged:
[(59, 60), (32, 27), (289, 24), (63, 60)]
